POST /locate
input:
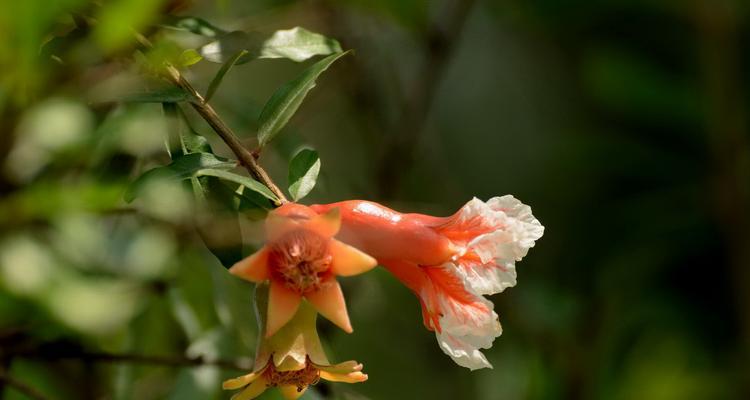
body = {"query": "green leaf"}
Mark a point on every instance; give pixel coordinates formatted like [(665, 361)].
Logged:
[(182, 167), (297, 44), (249, 183), (216, 219), (287, 99), (165, 95), (183, 139), (303, 173), (252, 205), (223, 71), (194, 25), (189, 57), (226, 46)]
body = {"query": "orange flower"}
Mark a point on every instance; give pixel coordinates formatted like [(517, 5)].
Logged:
[(448, 262), (301, 259), (292, 359)]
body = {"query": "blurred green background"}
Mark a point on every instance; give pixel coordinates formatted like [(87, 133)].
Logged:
[(623, 123)]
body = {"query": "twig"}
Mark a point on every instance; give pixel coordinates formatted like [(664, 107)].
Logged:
[(168, 361), (21, 387), (720, 46), (441, 40), (246, 158)]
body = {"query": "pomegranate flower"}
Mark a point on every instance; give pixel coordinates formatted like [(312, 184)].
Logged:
[(292, 359), (448, 262), (301, 259)]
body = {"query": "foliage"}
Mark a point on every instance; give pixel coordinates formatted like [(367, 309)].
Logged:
[(120, 209)]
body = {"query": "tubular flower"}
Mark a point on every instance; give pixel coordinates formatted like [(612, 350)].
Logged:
[(448, 262), (292, 359), (301, 260)]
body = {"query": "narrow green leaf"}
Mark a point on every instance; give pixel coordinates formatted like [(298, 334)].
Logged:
[(303, 173), (189, 57), (194, 25), (182, 167), (298, 44), (165, 95), (223, 71), (249, 183), (287, 99)]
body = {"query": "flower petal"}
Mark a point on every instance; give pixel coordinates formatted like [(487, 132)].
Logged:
[(282, 305), (329, 301), (494, 235), (467, 320), (348, 261), (241, 381), (253, 268), (326, 225), (341, 368), (463, 321), (352, 377), (277, 225), (290, 392), (254, 390)]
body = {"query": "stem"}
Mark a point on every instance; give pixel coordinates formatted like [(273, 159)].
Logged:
[(169, 361), (246, 158), (21, 387)]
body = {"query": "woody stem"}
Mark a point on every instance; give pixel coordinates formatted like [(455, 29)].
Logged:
[(245, 157)]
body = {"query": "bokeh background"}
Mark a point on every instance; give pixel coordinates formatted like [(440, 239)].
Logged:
[(623, 124)]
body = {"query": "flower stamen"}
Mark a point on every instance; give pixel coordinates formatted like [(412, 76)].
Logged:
[(301, 260), (301, 378)]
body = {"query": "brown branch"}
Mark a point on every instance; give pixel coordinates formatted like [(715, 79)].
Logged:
[(21, 387), (720, 49), (167, 361), (246, 158), (440, 40)]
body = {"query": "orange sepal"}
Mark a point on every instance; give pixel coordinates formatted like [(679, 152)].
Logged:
[(329, 301), (326, 225), (253, 268), (348, 261), (282, 305)]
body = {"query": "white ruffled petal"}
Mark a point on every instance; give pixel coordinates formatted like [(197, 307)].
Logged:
[(467, 327), (488, 260), (464, 355), (520, 222)]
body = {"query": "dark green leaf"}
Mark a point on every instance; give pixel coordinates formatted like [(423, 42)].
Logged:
[(166, 95), (303, 173), (223, 71), (182, 167), (287, 99), (249, 183), (194, 25), (253, 205), (183, 139)]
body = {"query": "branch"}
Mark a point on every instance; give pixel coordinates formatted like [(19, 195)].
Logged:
[(246, 158), (440, 41), (167, 361), (21, 387)]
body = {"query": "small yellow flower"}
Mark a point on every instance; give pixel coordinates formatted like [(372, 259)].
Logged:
[(293, 384), (293, 358)]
